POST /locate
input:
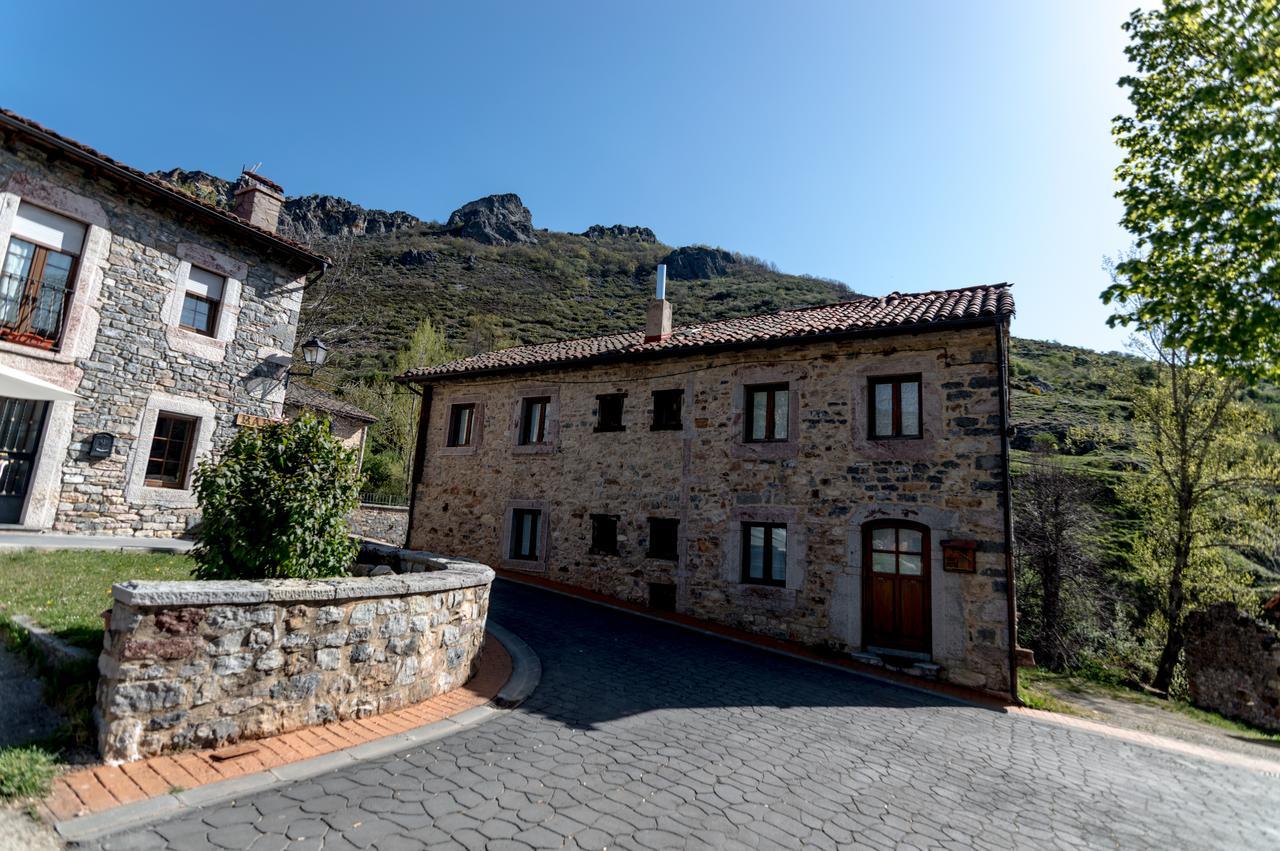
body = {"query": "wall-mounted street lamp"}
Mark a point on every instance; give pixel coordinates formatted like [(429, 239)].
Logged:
[(314, 354)]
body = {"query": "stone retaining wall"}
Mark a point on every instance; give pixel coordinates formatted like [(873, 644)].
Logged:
[(204, 664), (388, 523), (1233, 665)]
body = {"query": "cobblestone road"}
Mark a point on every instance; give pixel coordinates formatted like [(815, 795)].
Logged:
[(643, 735)]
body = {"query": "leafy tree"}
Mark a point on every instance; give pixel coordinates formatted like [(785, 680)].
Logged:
[(1207, 492), (396, 407), (1201, 180), (276, 505)]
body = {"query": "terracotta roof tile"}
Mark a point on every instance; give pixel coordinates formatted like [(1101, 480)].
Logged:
[(887, 314), (157, 186)]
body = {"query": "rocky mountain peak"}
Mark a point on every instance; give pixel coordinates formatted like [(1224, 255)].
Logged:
[(493, 220), (315, 216), (698, 262), (633, 232)]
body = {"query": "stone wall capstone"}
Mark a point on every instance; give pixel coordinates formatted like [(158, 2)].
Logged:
[(1233, 665), (205, 664)]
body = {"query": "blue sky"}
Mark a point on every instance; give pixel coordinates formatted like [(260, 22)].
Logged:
[(894, 146)]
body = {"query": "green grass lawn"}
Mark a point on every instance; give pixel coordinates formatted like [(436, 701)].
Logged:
[(66, 590)]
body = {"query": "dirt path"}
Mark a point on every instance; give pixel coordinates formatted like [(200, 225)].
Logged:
[(1098, 705), (23, 713)]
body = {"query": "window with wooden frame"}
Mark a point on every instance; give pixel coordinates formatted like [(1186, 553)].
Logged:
[(664, 538), (201, 301), (462, 419), (894, 408), (667, 405), (170, 455), (38, 276), (766, 412), (764, 553), (526, 528), (533, 420), (609, 412), (604, 534), (897, 549)]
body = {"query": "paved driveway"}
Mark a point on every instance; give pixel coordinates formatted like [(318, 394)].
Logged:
[(643, 735)]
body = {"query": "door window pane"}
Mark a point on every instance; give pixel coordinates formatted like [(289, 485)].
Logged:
[(884, 538), (909, 565), (884, 562), (909, 540)]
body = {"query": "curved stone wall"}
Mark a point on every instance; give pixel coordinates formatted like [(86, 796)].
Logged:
[(204, 664)]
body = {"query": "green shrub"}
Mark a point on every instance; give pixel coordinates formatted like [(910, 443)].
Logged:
[(276, 505), (25, 772)]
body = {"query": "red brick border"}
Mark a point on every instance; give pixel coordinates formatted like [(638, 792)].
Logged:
[(101, 787)]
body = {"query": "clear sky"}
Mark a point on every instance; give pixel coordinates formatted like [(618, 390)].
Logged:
[(892, 145)]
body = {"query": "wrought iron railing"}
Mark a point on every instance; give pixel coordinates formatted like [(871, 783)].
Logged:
[(384, 500), (32, 311)]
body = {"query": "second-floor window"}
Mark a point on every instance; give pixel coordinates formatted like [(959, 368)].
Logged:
[(39, 272), (766, 412), (609, 412), (667, 406), (462, 420), (533, 420), (894, 407), (201, 300)]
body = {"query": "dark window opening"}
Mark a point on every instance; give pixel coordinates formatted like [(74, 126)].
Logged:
[(666, 410), (609, 407), (201, 301), (461, 424), (525, 528), (664, 538), (662, 596), (533, 420), (767, 412), (604, 534), (170, 451), (894, 407), (764, 553)]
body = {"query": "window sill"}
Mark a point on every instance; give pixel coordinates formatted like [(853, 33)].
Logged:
[(662, 557), (611, 553), (469, 449), (195, 343), (666, 428), (609, 429), (533, 449), (765, 451), (524, 565)]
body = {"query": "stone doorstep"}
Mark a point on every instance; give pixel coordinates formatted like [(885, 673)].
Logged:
[(102, 787)]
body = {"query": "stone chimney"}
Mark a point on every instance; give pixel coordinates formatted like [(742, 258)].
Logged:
[(258, 201), (657, 326)]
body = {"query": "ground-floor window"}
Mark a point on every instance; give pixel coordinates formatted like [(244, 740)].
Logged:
[(525, 524), (604, 534), (664, 538), (764, 553), (170, 456)]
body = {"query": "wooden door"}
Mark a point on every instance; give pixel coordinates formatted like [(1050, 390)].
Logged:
[(895, 567)]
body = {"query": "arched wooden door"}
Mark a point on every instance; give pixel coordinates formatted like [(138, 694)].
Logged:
[(895, 570)]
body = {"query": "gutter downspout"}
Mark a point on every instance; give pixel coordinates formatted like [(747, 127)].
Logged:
[(1002, 369), (419, 455)]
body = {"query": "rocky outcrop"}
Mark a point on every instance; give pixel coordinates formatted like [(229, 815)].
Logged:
[(1233, 665), (315, 216), (304, 219), (493, 220), (632, 232), (698, 262), (417, 257)]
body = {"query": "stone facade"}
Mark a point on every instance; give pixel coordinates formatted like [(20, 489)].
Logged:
[(1233, 665), (124, 354), (203, 664), (825, 483)]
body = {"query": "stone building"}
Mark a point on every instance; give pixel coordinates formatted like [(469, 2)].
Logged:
[(349, 423), (834, 476), (139, 328)]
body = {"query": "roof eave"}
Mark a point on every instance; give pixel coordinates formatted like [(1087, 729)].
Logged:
[(622, 355), (314, 262)]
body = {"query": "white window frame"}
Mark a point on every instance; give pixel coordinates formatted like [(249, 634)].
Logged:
[(210, 347), (137, 492)]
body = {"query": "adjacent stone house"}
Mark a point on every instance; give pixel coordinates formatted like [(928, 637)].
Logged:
[(139, 328), (835, 476), (348, 423)]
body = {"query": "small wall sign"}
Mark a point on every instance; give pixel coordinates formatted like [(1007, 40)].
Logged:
[(254, 421), (960, 556), (101, 445)]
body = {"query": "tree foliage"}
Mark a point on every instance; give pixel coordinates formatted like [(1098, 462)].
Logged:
[(276, 505), (1207, 492), (1201, 180)]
